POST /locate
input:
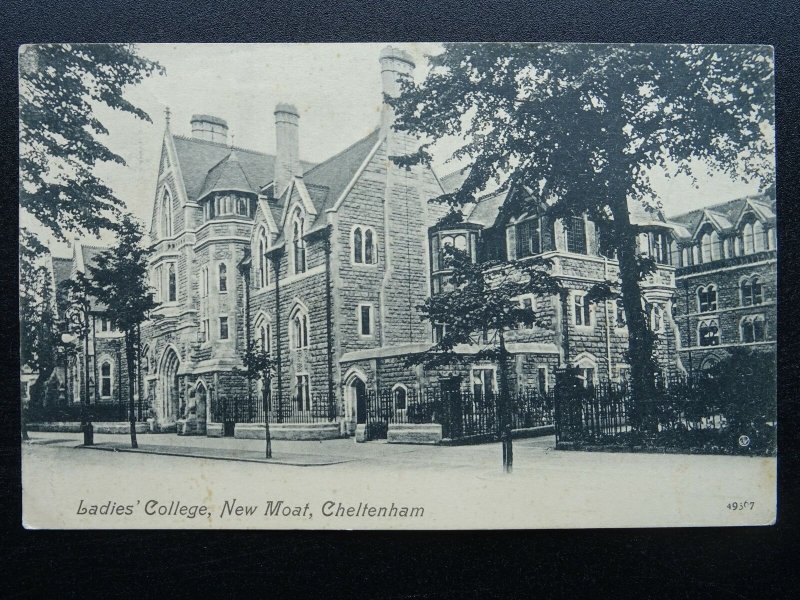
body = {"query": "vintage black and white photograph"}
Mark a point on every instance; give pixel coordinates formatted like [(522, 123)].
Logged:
[(397, 286)]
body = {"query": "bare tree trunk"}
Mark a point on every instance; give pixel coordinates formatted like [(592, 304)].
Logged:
[(129, 358), (640, 338), (267, 396), (505, 409)]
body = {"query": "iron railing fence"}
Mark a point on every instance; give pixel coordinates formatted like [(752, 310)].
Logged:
[(689, 412), (101, 412), (461, 413), (318, 408)]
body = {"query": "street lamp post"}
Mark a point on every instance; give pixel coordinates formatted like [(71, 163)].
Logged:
[(78, 321)]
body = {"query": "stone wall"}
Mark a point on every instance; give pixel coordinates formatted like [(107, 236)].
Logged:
[(726, 275)]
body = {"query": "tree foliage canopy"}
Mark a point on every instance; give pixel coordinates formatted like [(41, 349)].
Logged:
[(119, 278), (61, 86), (37, 306), (581, 124), (483, 300), (581, 128)]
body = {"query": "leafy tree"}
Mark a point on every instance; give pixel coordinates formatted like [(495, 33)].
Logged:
[(38, 328), (259, 365), (581, 128), (480, 307), (74, 298), (61, 87), (119, 280)]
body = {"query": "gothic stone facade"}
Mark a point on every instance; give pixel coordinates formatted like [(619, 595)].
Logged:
[(324, 266)]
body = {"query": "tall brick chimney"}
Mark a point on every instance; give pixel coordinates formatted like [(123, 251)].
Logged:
[(396, 64), (287, 144)]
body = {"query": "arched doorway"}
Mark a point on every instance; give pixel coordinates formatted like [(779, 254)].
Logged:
[(168, 386), (201, 404), (359, 400)]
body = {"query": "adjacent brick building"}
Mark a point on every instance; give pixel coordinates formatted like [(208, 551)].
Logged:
[(726, 280)]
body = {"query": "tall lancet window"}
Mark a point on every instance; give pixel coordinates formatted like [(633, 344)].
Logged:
[(262, 265), (298, 243), (166, 215), (172, 284), (223, 277)]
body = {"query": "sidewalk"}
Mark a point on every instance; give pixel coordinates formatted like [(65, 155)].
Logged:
[(294, 453)]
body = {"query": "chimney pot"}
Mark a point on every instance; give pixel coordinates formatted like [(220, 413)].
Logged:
[(396, 64), (210, 128), (287, 147)]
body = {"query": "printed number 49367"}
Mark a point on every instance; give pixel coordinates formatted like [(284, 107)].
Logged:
[(745, 505)]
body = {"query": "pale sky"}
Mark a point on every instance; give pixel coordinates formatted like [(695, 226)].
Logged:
[(336, 88)]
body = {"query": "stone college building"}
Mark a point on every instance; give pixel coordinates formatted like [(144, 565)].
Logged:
[(324, 266)]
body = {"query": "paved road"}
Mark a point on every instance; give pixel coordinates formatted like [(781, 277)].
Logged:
[(457, 486)]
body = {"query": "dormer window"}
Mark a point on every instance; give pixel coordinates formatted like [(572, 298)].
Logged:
[(529, 238), (709, 245), (575, 235)]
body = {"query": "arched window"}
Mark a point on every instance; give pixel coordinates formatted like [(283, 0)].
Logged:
[(751, 329), (166, 215), (714, 245), (747, 238), (656, 318), (685, 257), (264, 334), (708, 333), (172, 284), (105, 379), (400, 397), (298, 243), (364, 246), (707, 298), (759, 244), (358, 246), (262, 263), (369, 247), (751, 291), (298, 328), (223, 277), (706, 245)]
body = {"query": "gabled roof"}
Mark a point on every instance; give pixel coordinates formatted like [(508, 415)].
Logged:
[(197, 157), (62, 269), (724, 216), (88, 256), (336, 173), (227, 175), (485, 211), (453, 181)]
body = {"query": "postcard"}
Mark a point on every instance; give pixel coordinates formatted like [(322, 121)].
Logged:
[(397, 286)]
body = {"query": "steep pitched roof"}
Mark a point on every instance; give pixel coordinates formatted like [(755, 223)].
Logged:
[(227, 175), (197, 157), (62, 269), (336, 173), (486, 210), (725, 214), (89, 254), (452, 181), (88, 257)]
